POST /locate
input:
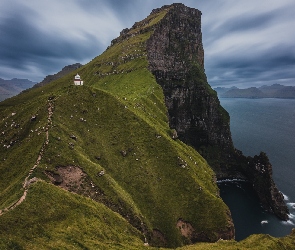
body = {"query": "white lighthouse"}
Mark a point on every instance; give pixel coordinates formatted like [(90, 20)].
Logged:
[(78, 80)]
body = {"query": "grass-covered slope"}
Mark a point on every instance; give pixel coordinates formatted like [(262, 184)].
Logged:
[(52, 218), (257, 242), (108, 144), (116, 124)]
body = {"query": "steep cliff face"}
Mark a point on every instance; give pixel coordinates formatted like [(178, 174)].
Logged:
[(176, 58), (109, 142), (259, 171)]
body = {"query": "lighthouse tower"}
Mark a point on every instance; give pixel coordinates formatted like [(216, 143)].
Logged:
[(78, 80)]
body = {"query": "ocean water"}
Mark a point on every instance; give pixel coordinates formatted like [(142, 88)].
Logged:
[(262, 125)]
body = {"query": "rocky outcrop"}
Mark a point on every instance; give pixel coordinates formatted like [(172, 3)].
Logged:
[(187, 231), (259, 171), (176, 59), (75, 180)]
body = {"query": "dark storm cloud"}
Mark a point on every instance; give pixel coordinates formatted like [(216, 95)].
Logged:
[(241, 24), (23, 42), (26, 45), (275, 65), (119, 6), (249, 22), (125, 11)]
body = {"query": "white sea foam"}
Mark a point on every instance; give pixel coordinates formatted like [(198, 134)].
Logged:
[(231, 180), (286, 198), (291, 204), (291, 220), (288, 222)]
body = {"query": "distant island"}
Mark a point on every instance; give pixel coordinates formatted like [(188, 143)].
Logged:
[(273, 91)]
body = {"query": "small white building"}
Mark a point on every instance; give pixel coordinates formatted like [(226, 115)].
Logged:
[(78, 80)]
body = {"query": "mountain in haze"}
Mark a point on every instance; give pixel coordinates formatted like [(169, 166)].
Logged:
[(130, 158), (65, 70), (273, 91), (9, 88), (278, 91), (221, 90)]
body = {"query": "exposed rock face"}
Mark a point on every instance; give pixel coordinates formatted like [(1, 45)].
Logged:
[(260, 173), (74, 179), (187, 231), (176, 58)]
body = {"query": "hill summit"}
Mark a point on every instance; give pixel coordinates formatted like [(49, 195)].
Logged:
[(113, 164)]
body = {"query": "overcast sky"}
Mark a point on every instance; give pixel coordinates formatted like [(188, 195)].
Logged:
[(246, 43)]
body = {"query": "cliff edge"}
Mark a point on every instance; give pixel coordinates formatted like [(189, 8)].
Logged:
[(176, 59), (101, 166)]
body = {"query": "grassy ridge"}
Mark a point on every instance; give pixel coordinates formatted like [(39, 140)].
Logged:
[(52, 218), (151, 164), (121, 109), (21, 140), (257, 242), (117, 122)]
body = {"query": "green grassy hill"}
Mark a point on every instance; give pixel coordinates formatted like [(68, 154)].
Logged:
[(97, 166)]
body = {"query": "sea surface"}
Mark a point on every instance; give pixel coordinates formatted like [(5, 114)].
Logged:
[(266, 125)]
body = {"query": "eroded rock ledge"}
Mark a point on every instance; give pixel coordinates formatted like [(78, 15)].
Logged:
[(187, 231), (74, 179), (259, 171)]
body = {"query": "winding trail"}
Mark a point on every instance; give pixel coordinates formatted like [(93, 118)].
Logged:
[(27, 182)]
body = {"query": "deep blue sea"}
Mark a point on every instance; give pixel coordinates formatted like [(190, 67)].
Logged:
[(262, 125)]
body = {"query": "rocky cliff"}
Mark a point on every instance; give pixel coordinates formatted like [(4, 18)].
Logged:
[(176, 58), (101, 167), (108, 140), (259, 171)]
